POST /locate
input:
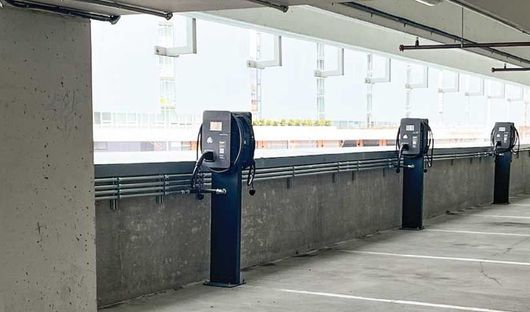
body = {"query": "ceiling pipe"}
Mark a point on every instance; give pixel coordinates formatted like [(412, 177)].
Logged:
[(507, 69), (128, 7), (113, 19), (418, 46), (432, 30), (281, 7)]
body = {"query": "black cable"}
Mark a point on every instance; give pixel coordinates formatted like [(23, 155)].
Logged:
[(197, 167), (517, 141), (250, 178), (430, 146), (492, 141), (398, 151), (400, 154), (199, 135)]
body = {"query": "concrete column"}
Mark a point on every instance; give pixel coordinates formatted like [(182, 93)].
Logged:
[(47, 220)]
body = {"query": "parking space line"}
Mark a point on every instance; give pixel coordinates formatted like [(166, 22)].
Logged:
[(477, 233), (390, 301), (375, 253), (496, 216)]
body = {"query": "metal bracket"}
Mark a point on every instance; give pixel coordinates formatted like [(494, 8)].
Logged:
[(479, 92), (388, 71), (339, 71), (453, 89), (278, 57), (424, 83), (501, 95), (409, 86), (191, 42), (518, 98), (468, 93), (114, 205)]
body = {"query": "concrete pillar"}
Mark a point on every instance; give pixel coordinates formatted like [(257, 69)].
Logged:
[(47, 220)]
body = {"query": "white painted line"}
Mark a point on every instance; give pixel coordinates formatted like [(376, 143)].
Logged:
[(497, 216), (521, 205), (434, 257), (477, 233), (392, 301)]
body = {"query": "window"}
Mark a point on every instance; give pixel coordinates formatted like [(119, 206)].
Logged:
[(167, 93), (293, 107)]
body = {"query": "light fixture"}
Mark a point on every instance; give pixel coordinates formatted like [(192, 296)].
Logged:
[(430, 2)]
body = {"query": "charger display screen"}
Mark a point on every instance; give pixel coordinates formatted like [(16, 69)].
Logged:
[(216, 126)]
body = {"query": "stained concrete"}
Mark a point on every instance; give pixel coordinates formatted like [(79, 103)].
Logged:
[(147, 246), (482, 270), (47, 224)]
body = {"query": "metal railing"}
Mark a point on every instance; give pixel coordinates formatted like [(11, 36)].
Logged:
[(115, 188)]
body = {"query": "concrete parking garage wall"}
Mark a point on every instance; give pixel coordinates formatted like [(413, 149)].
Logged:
[(47, 230), (146, 246)]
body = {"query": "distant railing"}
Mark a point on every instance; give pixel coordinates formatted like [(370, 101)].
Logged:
[(166, 118), (114, 182)]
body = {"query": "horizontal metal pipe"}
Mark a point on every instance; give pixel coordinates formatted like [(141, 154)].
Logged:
[(98, 198), (164, 186), (182, 175), (137, 185), (139, 195), (106, 180), (106, 192), (285, 172), (176, 188), (128, 7), (141, 178), (143, 189), (105, 187), (270, 4), (432, 30), (464, 45), (315, 173), (182, 182), (113, 19), (513, 69), (259, 170), (273, 178)]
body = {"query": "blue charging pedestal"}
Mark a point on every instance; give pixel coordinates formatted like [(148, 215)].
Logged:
[(225, 248), (413, 173), (501, 192)]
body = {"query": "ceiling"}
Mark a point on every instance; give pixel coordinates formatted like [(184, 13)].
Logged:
[(481, 22), (512, 12), (485, 20), (172, 5)]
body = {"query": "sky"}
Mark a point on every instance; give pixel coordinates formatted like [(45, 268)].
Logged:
[(125, 79)]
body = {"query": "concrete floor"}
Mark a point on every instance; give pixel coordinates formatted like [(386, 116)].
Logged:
[(475, 260)]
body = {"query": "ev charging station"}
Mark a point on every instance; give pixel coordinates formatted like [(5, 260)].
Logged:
[(414, 147), (504, 139), (227, 143)]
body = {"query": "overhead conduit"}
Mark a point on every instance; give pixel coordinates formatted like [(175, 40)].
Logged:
[(439, 32), (112, 18)]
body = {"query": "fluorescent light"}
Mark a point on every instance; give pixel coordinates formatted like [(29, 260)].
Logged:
[(429, 2)]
